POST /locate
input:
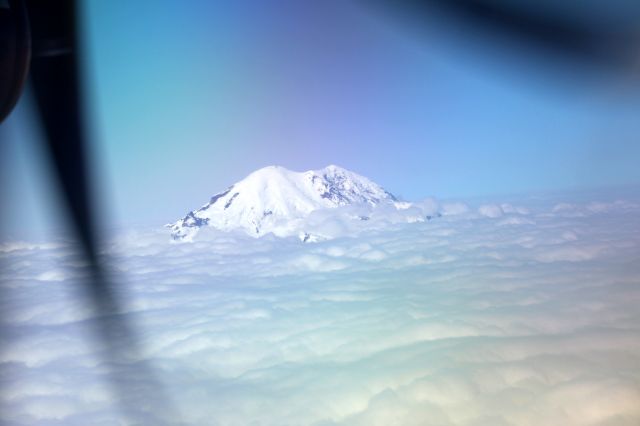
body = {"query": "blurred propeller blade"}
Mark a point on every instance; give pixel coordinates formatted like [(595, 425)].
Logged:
[(56, 80), (15, 51), (56, 84), (593, 33)]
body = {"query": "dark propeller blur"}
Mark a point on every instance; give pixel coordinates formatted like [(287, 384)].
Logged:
[(56, 80), (591, 34)]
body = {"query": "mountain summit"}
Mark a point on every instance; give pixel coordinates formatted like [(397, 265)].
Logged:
[(274, 199)]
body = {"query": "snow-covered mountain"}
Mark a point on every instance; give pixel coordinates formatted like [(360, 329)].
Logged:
[(274, 199)]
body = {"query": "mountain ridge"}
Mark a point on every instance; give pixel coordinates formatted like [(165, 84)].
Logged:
[(275, 199)]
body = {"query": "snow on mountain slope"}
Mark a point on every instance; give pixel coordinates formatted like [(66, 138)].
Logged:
[(274, 199)]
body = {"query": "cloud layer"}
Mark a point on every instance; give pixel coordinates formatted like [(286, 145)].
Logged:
[(496, 314)]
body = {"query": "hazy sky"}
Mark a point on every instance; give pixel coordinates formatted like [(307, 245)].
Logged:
[(188, 100)]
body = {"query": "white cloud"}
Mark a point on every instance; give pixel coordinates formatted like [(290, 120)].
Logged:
[(509, 208), (454, 208), (515, 315), (490, 210)]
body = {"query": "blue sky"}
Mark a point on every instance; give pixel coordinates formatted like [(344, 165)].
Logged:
[(187, 100)]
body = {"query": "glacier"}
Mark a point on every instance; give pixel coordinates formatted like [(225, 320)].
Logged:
[(280, 201)]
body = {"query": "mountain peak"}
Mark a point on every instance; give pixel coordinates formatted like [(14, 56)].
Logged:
[(275, 199), (332, 168)]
